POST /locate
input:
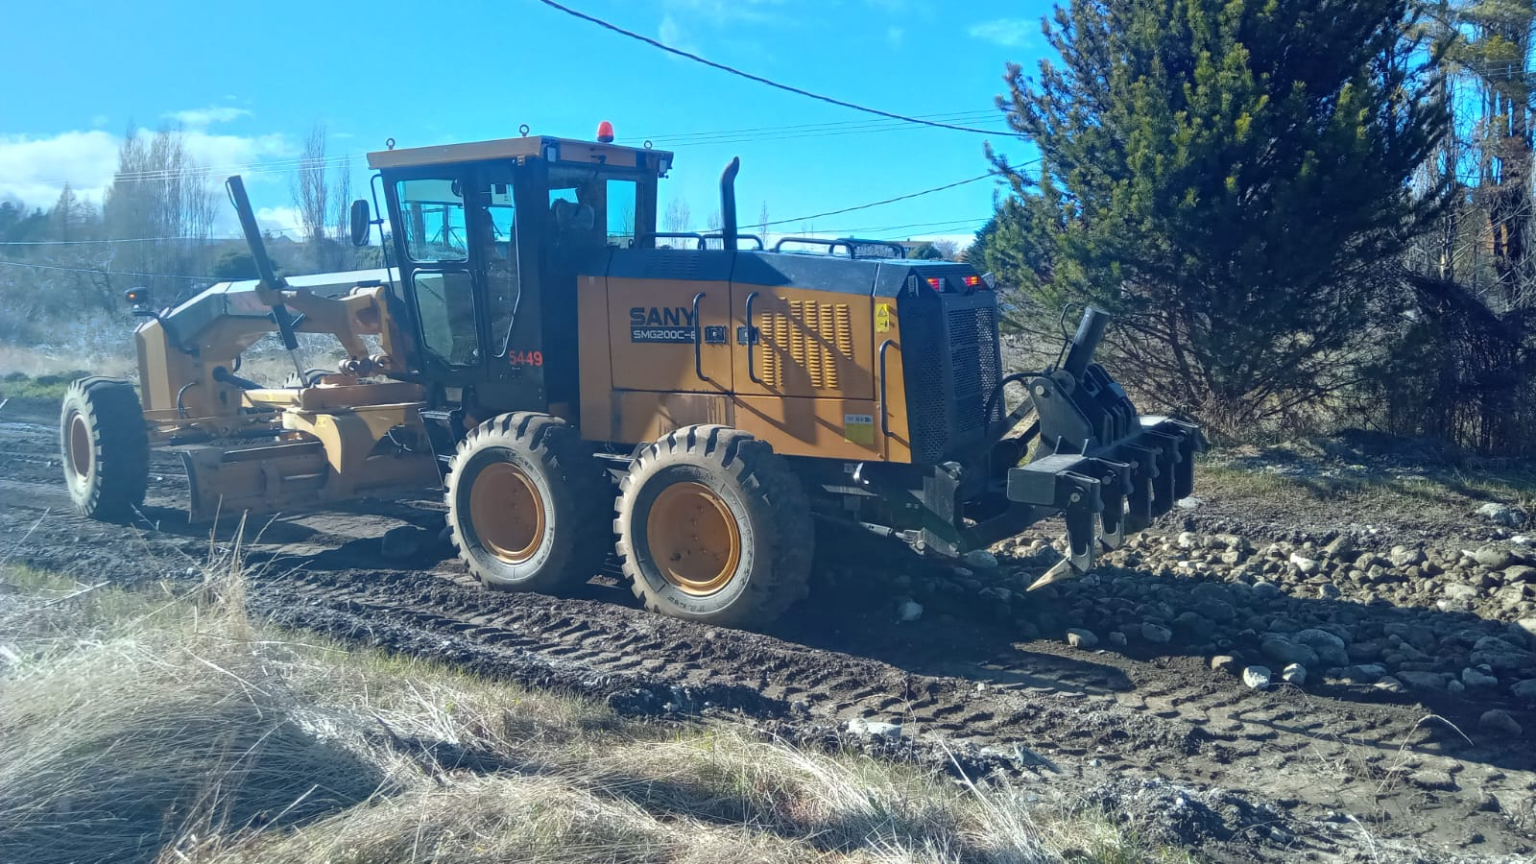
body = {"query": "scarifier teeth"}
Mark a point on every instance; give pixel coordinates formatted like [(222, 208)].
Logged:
[(1061, 571)]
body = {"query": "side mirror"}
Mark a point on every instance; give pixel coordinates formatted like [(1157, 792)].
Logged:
[(360, 222)]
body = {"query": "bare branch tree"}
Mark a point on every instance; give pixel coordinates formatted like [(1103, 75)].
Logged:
[(310, 193), (677, 216)]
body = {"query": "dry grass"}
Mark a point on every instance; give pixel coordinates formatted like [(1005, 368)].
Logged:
[(1461, 489), (160, 726), (35, 362)]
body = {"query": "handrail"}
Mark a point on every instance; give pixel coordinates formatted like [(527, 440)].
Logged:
[(752, 340), (885, 426), (698, 340), (852, 244)]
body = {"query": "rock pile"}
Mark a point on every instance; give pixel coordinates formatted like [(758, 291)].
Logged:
[(1428, 620)]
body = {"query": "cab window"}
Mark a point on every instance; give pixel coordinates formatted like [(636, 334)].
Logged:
[(432, 213), (621, 213)]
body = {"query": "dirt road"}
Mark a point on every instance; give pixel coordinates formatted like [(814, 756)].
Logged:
[(1338, 769)]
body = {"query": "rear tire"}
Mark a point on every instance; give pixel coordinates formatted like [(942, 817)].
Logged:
[(713, 526), (105, 448), (528, 504)]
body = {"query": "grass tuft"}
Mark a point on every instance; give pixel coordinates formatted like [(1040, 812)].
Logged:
[(142, 726)]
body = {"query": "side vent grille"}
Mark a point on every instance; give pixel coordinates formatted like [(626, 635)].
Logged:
[(814, 337)]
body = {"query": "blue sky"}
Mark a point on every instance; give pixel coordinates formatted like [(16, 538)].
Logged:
[(247, 84)]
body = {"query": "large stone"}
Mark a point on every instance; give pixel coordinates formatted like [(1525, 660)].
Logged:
[(1405, 556), (1307, 566), (1476, 680), (1295, 674), (1286, 652), (1216, 610), (1504, 659), (1233, 542), (1421, 638), (1084, 639), (1257, 677), (1493, 557), (1155, 634), (1527, 627), (909, 611), (981, 559), (1318, 638), (1365, 652), (1511, 596), (1340, 546), (1265, 590), (1224, 663), (874, 728), (1502, 514), (1520, 573), (1194, 625), (1499, 722), (1525, 691), (1426, 681), (1365, 673), (1460, 593)]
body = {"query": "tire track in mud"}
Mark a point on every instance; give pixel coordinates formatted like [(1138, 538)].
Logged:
[(1041, 710), (1021, 713)]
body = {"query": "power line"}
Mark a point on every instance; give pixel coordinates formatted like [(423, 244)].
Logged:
[(105, 272), (758, 78), (885, 201), (813, 129), (107, 242)]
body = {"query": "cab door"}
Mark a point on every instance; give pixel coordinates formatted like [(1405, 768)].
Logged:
[(431, 218)]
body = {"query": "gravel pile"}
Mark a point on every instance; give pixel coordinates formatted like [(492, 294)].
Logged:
[(1431, 620)]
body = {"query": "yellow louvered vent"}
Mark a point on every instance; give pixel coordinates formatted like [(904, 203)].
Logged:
[(813, 336)]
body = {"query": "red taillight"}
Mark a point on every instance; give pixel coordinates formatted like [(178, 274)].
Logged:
[(936, 283), (972, 281)]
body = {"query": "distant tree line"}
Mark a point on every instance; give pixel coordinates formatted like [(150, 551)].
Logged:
[(1302, 214), (155, 228)]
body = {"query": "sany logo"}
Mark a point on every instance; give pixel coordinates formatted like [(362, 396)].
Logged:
[(671, 316), (671, 324)]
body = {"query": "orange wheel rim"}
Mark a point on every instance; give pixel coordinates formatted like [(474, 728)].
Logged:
[(694, 539), (507, 512), (80, 450)]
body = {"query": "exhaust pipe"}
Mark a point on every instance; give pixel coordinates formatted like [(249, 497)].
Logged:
[(728, 204), (1090, 332)]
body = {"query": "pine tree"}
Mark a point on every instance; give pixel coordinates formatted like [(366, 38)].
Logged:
[(1227, 178)]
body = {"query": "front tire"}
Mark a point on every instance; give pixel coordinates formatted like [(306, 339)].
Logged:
[(105, 448), (528, 504), (713, 526)]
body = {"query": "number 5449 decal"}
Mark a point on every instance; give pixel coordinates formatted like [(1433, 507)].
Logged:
[(525, 358)]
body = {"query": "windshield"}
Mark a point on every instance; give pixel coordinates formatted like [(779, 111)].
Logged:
[(433, 215)]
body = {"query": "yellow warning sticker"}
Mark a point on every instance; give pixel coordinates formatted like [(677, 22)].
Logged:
[(883, 318), (859, 429)]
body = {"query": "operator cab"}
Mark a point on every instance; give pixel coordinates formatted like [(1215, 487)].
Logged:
[(488, 238)]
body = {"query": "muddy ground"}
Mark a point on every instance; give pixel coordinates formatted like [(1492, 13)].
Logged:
[(1404, 619)]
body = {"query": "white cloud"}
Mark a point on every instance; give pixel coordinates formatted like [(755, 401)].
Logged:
[(34, 169), (200, 117), (1007, 32), (279, 219)]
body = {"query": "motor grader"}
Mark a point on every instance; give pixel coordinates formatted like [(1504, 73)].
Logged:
[(573, 385)]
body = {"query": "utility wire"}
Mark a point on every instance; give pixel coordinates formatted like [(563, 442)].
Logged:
[(758, 78), (142, 239), (107, 272), (884, 202)]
